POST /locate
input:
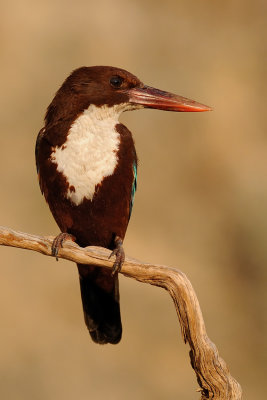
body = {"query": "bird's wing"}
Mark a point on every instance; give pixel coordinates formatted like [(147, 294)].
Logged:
[(37, 155), (134, 187)]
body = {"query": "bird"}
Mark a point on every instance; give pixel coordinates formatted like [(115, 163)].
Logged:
[(87, 168)]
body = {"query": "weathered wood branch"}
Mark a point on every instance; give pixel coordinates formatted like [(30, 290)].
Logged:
[(212, 373)]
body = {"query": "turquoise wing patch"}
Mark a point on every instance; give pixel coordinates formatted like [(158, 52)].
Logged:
[(134, 187)]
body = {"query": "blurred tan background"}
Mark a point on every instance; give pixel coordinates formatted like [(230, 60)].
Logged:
[(201, 203)]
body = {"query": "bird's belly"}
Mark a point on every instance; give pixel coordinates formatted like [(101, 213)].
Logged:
[(95, 222)]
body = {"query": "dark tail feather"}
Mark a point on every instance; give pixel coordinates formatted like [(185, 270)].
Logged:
[(101, 307)]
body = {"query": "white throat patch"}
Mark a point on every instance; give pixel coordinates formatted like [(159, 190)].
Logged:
[(90, 151)]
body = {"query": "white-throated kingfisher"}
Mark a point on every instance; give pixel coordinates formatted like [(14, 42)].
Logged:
[(87, 168)]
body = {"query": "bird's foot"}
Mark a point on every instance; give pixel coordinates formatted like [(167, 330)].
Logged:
[(118, 252), (58, 242)]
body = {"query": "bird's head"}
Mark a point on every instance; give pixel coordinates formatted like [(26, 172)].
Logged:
[(112, 87)]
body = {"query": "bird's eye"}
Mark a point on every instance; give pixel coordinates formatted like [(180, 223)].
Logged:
[(116, 81)]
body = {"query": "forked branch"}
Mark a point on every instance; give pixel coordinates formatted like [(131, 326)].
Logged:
[(212, 373)]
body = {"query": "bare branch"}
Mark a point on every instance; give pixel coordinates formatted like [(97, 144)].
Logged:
[(212, 373)]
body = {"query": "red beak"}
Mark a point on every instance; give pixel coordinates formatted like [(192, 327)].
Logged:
[(154, 98)]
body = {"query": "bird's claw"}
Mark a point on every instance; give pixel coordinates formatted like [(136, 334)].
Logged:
[(58, 242), (118, 252)]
